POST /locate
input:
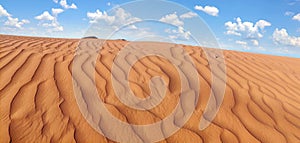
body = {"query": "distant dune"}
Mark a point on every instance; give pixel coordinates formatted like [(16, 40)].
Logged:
[(37, 102)]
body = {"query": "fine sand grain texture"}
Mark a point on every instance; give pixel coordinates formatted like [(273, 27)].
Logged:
[(37, 102)]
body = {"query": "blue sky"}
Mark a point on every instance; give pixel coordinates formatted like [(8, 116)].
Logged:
[(260, 26)]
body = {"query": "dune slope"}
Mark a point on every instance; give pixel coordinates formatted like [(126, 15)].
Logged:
[(37, 102)]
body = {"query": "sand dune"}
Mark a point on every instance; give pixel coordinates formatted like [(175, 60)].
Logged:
[(37, 101)]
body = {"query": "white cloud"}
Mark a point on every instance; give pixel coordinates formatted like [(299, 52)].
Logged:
[(98, 15), (289, 13), (282, 37), (54, 26), (123, 17), (241, 43), (108, 4), (188, 15), (65, 5), (14, 22), (261, 48), (262, 24), (180, 33), (3, 12), (255, 42), (45, 16), (172, 19), (56, 11), (132, 27), (244, 44), (211, 10), (50, 21), (296, 17), (118, 18), (247, 29), (175, 20)]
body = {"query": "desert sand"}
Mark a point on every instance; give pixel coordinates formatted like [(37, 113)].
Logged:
[(37, 102)]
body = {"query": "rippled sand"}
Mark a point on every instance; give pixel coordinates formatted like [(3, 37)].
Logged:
[(37, 102)]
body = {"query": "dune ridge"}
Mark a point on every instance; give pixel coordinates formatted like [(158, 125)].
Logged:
[(37, 103)]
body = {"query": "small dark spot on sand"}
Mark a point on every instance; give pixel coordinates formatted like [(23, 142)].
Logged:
[(90, 37), (122, 39)]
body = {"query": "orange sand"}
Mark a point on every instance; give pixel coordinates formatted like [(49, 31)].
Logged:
[(37, 103)]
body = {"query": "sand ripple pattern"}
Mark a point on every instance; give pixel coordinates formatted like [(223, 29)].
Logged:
[(37, 103)]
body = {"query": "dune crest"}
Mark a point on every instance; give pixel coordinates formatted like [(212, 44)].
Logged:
[(37, 102)]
